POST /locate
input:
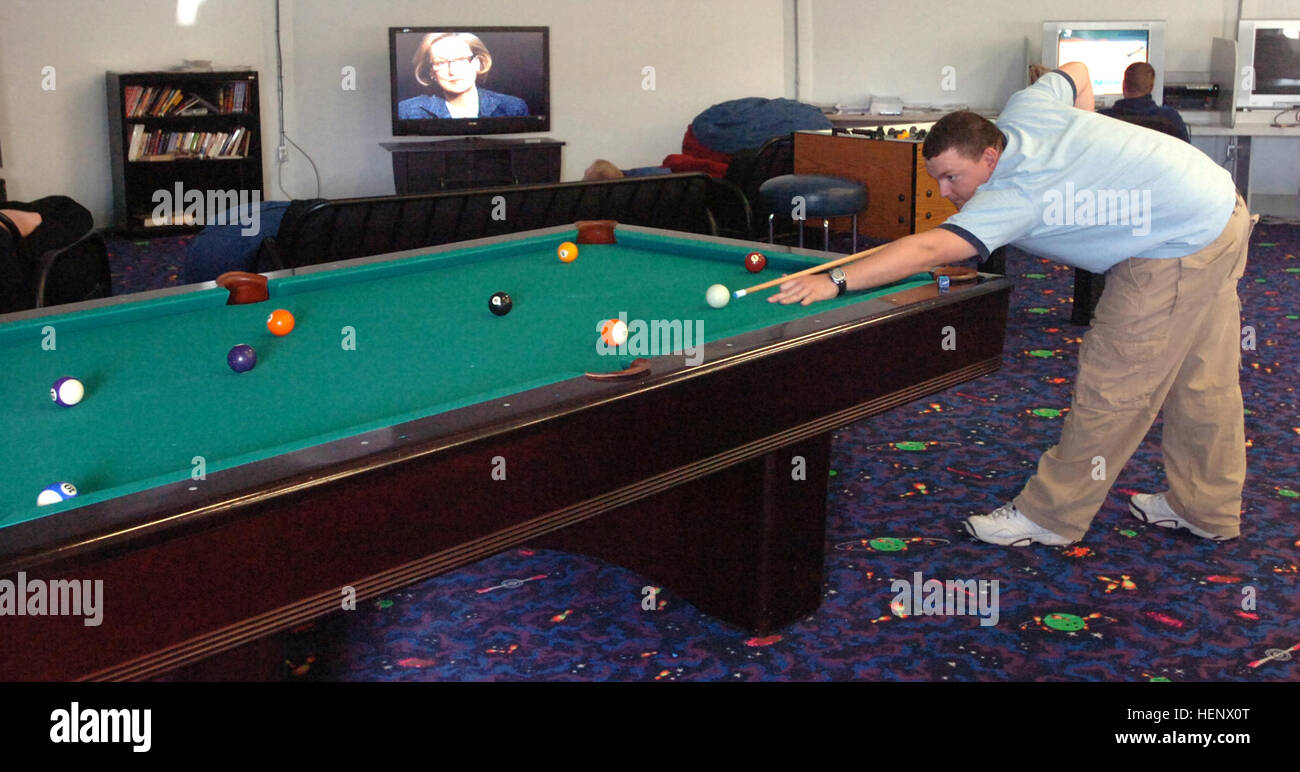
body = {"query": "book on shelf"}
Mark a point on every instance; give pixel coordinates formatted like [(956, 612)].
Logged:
[(157, 102), (234, 97), (176, 145), (154, 221)]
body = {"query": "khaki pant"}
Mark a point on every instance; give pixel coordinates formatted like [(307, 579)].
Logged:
[(1166, 336)]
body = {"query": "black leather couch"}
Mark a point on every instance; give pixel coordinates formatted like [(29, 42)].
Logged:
[(69, 274), (342, 229)]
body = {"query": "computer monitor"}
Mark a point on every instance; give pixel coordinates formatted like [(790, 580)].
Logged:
[(1268, 63), (1108, 48)]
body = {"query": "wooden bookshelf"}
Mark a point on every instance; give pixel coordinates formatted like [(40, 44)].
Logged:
[(201, 130)]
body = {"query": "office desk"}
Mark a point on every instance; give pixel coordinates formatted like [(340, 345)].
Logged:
[(1236, 156)]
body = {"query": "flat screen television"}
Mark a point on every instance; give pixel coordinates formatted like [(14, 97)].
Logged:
[(1108, 48), (1268, 60), (469, 80)]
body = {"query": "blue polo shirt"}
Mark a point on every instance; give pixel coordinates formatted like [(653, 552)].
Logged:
[(1090, 191), (1146, 105)]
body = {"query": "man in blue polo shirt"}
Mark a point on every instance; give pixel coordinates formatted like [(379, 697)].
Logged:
[(1166, 225)]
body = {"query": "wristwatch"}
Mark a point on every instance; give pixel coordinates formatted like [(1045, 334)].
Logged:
[(841, 281)]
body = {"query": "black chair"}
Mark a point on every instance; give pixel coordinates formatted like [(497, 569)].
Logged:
[(732, 213), (14, 282), (1154, 122), (74, 273), (1088, 286), (749, 169), (997, 262), (69, 274)]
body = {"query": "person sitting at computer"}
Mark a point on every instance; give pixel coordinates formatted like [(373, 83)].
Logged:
[(1139, 79), (451, 63)]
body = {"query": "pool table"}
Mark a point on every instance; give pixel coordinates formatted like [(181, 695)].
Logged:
[(402, 430)]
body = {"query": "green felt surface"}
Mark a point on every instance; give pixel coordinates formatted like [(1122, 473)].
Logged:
[(159, 392)]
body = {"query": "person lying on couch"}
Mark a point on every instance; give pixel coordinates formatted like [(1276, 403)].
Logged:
[(52, 222)]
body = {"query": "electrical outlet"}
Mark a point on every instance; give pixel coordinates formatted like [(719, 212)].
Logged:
[(282, 153)]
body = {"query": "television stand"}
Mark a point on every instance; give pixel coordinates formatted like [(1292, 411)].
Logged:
[(472, 162)]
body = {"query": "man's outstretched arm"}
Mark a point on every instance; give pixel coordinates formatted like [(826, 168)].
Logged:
[(896, 260), (1078, 72)]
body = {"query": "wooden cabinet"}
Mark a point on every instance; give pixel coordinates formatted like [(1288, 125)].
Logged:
[(902, 198), (456, 164), (173, 132)]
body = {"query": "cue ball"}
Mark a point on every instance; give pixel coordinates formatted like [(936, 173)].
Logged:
[(568, 252), (717, 296), (755, 262), (56, 493), (280, 322), (500, 303), (614, 332), (67, 391), (242, 358)]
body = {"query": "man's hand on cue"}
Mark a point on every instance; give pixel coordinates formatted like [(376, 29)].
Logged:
[(805, 290), (895, 261)]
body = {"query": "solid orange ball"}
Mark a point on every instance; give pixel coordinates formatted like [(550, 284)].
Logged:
[(568, 252), (280, 322)]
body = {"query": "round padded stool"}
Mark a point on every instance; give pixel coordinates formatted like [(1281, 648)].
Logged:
[(823, 197)]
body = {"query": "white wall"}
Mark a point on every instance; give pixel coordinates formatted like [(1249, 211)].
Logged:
[(881, 47), (56, 141), (899, 49), (702, 52), (1265, 9)]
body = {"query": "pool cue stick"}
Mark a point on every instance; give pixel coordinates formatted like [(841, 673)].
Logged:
[(740, 293)]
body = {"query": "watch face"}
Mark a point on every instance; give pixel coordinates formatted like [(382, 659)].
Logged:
[(837, 275)]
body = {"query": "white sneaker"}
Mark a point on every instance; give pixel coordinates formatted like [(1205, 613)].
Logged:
[(1009, 527), (1151, 508)]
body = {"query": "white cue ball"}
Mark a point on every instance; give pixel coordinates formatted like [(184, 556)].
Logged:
[(717, 296)]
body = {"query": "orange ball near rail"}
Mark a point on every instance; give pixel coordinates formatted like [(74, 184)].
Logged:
[(280, 322), (568, 252)]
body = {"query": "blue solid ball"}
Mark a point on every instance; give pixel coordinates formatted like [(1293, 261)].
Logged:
[(242, 358)]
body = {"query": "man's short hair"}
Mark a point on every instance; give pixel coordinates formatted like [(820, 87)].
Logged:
[(968, 132), (1139, 79)]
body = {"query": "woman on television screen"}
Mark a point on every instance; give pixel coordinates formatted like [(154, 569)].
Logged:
[(450, 64)]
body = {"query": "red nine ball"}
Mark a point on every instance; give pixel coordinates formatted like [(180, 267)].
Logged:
[(755, 262)]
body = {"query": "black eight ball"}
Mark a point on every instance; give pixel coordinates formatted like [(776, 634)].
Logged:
[(500, 303)]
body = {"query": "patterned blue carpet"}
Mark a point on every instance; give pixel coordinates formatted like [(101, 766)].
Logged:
[(1129, 603), (146, 264)]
